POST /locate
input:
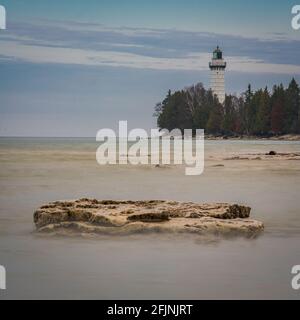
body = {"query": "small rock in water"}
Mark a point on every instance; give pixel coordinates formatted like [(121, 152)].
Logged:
[(272, 153)]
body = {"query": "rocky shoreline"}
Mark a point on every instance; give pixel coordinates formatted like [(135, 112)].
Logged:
[(271, 155), (286, 137), (111, 217)]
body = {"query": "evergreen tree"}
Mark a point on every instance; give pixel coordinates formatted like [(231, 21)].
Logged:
[(248, 112), (230, 116), (263, 120), (292, 102), (277, 121), (215, 120)]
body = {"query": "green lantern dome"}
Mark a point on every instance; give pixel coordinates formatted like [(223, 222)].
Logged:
[(217, 54)]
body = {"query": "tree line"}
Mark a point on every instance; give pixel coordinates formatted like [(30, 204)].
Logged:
[(259, 113)]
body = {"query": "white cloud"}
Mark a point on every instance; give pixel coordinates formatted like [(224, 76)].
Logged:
[(192, 61)]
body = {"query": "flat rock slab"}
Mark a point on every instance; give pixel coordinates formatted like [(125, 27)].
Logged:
[(92, 216)]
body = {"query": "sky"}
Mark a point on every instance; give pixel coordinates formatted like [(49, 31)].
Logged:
[(70, 68)]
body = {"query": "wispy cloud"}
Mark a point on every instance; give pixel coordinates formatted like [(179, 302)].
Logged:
[(98, 45)]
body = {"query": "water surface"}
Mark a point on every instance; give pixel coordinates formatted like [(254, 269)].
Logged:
[(37, 170)]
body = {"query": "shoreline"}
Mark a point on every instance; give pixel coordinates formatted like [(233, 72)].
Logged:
[(286, 137)]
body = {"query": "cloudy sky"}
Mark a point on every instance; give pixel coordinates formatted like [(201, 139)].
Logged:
[(69, 68)]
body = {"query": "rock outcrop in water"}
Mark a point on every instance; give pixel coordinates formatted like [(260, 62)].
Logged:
[(271, 155), (91, 216)]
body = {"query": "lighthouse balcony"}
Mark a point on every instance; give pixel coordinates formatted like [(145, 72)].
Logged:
[(215, 64)]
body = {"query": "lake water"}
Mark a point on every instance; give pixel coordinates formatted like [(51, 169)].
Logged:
[(34, 171)]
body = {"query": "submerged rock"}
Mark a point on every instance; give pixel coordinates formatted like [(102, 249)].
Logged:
[(91, 216)]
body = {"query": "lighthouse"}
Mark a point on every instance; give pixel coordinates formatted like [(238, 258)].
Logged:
[(217, 67)]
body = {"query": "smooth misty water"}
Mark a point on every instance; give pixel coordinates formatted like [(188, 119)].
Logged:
[(35, 171)]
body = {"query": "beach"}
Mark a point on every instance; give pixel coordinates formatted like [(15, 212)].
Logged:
[(35, 171)]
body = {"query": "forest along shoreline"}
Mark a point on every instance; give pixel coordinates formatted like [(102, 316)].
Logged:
[(263, 113), (286, 137)]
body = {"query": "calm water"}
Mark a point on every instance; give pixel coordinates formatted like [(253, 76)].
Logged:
[(35, 171)]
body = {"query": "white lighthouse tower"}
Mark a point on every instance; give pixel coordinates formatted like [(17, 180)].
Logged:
[(217, 67)]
